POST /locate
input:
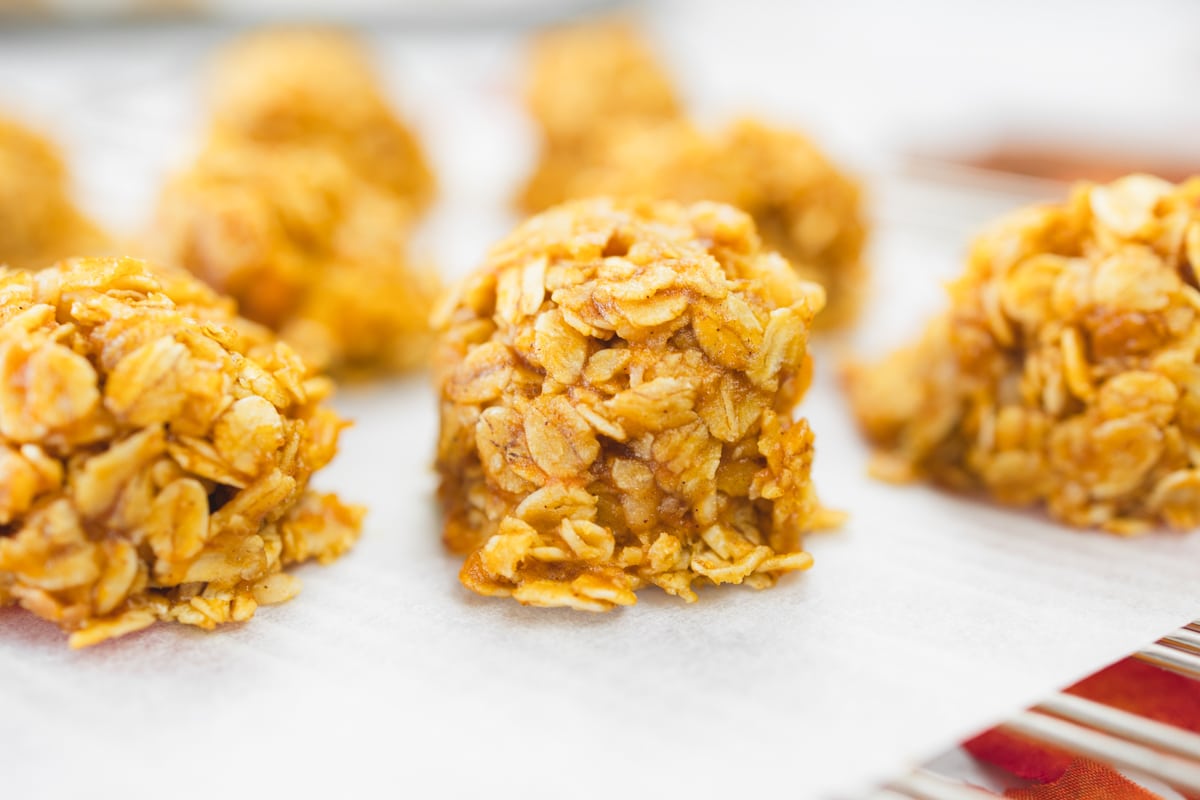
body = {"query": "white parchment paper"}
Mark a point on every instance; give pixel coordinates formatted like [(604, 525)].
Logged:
[(925, 619)]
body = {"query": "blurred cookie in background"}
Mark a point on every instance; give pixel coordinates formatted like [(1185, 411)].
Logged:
[(306, 247), (317, 87), (612, 124), (302, 201), (803, 205), (581, 80), (39, 223)]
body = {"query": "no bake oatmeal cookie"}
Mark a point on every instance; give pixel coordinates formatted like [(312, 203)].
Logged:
[(617, 386), (612, 124), (1065, 371), (581, 80), (305, 247), (317, 87), (301, 204), (155, 453), (38, 222)]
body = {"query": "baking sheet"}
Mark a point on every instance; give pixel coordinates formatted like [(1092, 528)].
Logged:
[(926, 618)]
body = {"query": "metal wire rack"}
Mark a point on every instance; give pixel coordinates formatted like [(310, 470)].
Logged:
[(1083, 727)]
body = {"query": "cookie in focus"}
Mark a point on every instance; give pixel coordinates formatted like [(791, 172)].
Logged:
[(617, 386), (155, 453)]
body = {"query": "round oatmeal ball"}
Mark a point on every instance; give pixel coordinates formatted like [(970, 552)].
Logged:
[(617, 390), (306, 248), (317, 87), (586, 75), (38, 222), (1066, 371), (155, 453), (580, 80)]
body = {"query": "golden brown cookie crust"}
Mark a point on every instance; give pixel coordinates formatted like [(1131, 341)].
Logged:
[(1064, 372), (155, 453), (617, 386)]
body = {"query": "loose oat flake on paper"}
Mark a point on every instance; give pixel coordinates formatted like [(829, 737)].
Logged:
[(617, 387), (155, 453)]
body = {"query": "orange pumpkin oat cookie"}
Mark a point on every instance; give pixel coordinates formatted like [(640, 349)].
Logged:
[(582, 79), (1065, 371), (301, 204), (611, 124), (617, 387), (155, 453), (317, 88), (306, 248), (38, 222)]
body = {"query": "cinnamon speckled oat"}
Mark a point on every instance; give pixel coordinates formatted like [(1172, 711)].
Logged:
[(1065, 371), (155, 453), (617, 387)]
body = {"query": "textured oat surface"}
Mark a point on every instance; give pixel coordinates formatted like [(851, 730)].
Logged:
[(301, 204), (617, 387), (803, 205), (1064, 372), (39, 223), (155, 453)]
